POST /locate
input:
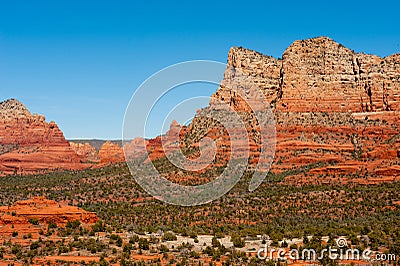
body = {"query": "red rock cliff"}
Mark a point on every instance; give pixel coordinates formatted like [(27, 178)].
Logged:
[(320, 74)]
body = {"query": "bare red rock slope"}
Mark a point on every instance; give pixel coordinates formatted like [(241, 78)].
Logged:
[(30, 217), (45, 211), (29, 144)]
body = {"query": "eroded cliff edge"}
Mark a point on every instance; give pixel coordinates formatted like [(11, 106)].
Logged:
[(321, 75)]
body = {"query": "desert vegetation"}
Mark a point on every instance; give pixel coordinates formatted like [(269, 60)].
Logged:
[(366, 214)]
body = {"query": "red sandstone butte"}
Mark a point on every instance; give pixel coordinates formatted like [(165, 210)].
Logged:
[(111, 153), (29, 144), (86, 151)]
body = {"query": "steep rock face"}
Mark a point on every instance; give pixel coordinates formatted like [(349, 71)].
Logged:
[(319, 74), (264, 71), (28, 144), (111, 153)]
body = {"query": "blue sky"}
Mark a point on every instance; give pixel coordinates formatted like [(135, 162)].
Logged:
[(79, 62)]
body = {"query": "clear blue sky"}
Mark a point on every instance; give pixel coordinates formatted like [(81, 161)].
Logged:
[(79, 62)]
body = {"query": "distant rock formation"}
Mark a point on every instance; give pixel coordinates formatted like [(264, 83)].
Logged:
[(135, 148), (86, 151), (111, 153), (28, 144)]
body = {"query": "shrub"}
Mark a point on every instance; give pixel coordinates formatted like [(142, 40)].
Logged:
[(16, 249), (163, 248), (73, 224), (51, 225), (134, 239), (34, 245), (33, 221), (127, 248), (144, 244), (215, 243), (237, 240), (169, 236), (99, 226), (116, 239), (219, 235)]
